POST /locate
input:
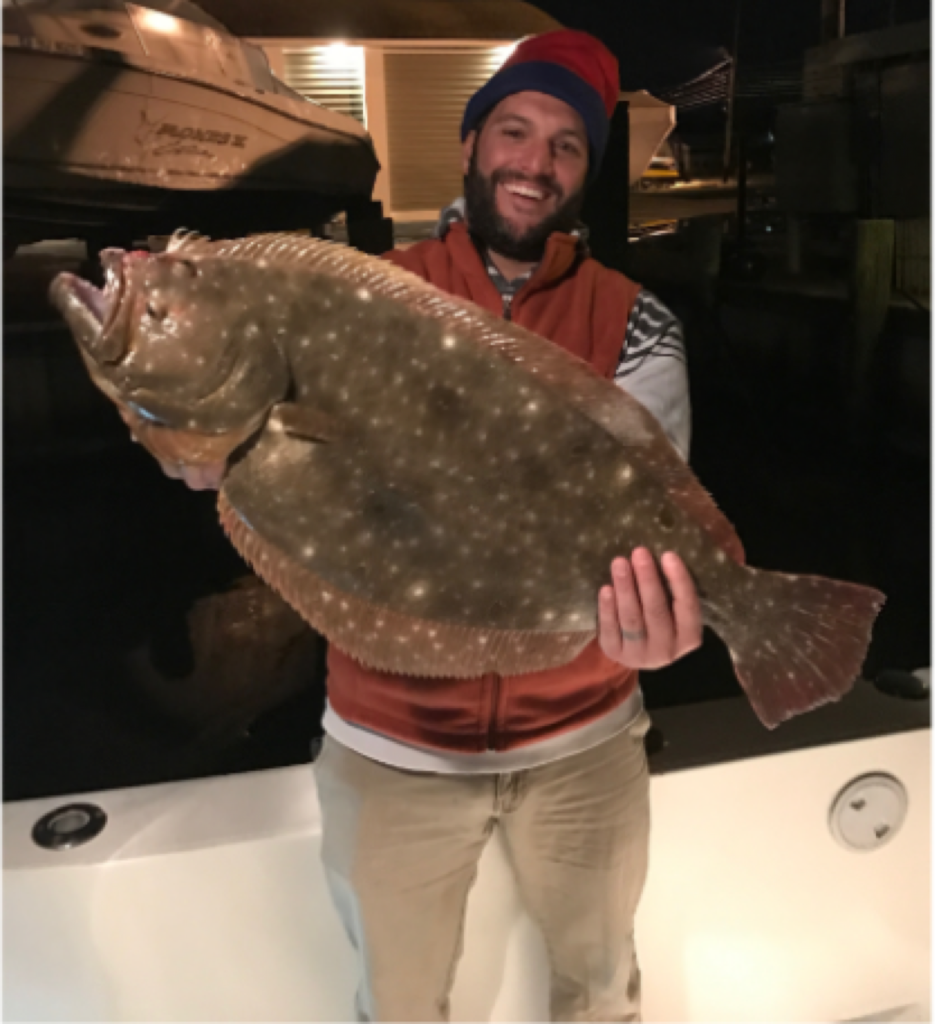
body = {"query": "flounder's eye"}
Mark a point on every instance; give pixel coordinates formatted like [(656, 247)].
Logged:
[(184, 268), (156, 312)]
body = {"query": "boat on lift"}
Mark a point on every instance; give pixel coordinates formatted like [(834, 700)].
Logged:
[(123, 120)]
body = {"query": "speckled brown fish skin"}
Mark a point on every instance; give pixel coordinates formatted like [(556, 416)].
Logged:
[(439, 492)]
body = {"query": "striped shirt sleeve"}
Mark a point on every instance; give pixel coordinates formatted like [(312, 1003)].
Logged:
[(652, 367)]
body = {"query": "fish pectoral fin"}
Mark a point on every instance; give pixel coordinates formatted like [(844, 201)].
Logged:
[(306, 423)]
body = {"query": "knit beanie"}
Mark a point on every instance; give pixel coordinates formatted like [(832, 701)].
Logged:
[(573, 67)]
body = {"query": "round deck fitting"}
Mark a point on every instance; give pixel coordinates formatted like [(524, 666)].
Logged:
[(868, 812), (69, 826)]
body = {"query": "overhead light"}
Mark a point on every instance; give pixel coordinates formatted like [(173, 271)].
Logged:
[(157, 21), (339, 55)]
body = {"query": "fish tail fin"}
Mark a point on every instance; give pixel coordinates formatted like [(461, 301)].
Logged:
[(797, 642)]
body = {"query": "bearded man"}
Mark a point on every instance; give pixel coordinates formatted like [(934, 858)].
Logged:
[(415, 775)]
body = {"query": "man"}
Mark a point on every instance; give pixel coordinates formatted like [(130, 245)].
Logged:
[(414, 774)]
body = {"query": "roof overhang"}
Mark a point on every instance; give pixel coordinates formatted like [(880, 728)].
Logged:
[(362, 20)]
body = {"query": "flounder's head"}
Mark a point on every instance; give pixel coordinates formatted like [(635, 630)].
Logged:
[(173, 340)]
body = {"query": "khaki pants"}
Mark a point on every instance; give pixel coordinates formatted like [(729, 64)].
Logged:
[(401, 848)]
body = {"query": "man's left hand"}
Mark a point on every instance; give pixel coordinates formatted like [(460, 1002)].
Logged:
[(642, 625)]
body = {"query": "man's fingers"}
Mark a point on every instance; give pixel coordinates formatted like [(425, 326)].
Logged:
[(656, 610), (687, 611), (206, 477), (629, 611), (647, 620), (609, 629)]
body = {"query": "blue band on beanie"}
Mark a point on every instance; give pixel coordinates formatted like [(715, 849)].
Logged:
[(553, 79)]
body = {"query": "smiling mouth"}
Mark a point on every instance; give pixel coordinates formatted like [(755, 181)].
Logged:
[(531, 192)]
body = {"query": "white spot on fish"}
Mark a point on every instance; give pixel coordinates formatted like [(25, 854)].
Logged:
[(364, 294), (719, 556), (448, 341)]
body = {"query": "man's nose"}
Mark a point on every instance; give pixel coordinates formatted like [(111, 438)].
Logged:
[(537, 159)]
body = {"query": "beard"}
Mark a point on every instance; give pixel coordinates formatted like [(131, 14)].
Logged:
[(489, 226)]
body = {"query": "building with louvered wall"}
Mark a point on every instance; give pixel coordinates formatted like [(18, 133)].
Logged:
[(404, 68), (333, 76), (425, 98), (411, 99)]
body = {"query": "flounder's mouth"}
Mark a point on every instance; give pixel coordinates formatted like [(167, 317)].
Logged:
[(92, 311), (103, 303)]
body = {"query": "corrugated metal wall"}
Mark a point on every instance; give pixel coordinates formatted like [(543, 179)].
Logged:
[(425, 98), (329, 75)]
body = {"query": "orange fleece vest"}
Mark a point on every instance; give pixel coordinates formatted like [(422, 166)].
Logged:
[(577, 303)]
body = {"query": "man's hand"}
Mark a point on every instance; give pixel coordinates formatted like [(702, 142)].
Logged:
[(639, 624), (201, 477), (197, 478)]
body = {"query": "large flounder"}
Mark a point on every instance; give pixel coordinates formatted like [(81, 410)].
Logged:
[(438, 491)]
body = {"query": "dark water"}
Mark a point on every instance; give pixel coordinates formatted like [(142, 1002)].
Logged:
[(104, 555)]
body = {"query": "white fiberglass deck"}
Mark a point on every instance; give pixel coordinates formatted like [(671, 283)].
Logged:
[(203, 901)]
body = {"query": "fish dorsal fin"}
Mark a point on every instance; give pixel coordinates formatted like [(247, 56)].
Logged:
[(557, 370)]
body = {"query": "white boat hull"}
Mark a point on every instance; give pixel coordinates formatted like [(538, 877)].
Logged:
[(205, 900)]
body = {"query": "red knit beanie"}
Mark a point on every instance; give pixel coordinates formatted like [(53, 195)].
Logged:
[(572, 66)]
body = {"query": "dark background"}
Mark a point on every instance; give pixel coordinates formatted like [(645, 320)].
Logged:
[(104, 556)]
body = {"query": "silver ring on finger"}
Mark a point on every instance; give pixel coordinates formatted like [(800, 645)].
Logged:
[(634, 636)]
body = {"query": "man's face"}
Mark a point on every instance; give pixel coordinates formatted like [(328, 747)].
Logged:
[(525, 174)]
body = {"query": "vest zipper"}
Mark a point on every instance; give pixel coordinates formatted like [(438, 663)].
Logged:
[(495, 702), (494, 710)]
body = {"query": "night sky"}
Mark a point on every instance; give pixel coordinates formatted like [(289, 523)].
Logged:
[(661, 42)]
